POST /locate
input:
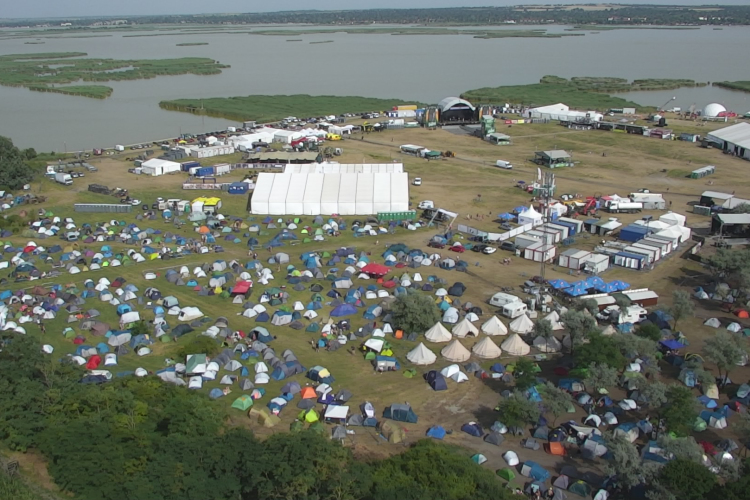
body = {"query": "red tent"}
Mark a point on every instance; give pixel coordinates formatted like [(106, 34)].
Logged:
[(241, 287), (29, 249), (741, 313), (94, 362), (389, 284), (376, 270), (708, 447)]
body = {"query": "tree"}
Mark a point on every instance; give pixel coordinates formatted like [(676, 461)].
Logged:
[(649, 331), (432, 470), (600, 349), (600, 377), (524, 373), (516, 410), (655, 393), (633, 346), (414, 312), (14, 173), (626, 462), (622, 301), (589, 305), (682, 306), (680, 411), (199, 345), (579, 326), (556, 401), (687, 479), (139, 328), (543, 328), (725, 350), (29, 153), (685, 448)]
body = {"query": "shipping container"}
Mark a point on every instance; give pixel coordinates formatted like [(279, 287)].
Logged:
[(119, 208)]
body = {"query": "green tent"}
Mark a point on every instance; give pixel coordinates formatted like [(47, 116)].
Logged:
[(580, 488), (193, 361), (296, 426), (313, 328), (310, 416), (699, 425), (410, 373), (296, 220), (243, 402), (506, 474), (325, 255), (370, 356), (307, 240)]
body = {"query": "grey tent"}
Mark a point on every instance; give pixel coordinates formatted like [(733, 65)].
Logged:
[(343, 396), (246, 385), (355, 419), (338, 432), (494, 438), (306, 404), (562, 482), (291, 388)]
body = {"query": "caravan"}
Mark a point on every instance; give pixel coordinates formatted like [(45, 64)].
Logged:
[(514, 309), (500, 299)]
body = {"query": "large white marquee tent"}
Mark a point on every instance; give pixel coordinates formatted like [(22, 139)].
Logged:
[(344, 168), (327, 194)]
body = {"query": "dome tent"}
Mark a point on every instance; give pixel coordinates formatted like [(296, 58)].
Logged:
[(713, 110)]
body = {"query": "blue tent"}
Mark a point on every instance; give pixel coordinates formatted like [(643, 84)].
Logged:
[(558, 284), (123, 308), (534, 471), (520, 208), (621, 285), (343, 310), (506, 216), (497, 368), (672, 344), (262, 317), (707, 402), (436, 431), (215, 393), (436, 380), (577, 289), (473, 429)]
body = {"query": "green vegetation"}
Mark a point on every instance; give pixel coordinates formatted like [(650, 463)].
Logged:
[(14, 172), (168, 442), (414, 312), (322, 41), (742, 85), (484, 34), (40, 71), (15, 488), (578, 92), (268, 108), (93, 91), (191, 44)]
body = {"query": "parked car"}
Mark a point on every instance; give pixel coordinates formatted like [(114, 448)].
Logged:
[(488, 250), (480, 239), (457, 249), (417, 181), (508, 245), (435, 244), (478, 248)]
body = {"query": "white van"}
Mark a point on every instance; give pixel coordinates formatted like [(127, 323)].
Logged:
[(514, 309), (500, 299), (503, 164)]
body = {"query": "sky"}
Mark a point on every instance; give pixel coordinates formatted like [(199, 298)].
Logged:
[(77, 8)]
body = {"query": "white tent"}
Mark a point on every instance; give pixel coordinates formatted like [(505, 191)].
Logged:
[(713, 322), (438, 333), (421, 355), (455, 352), (189, 314), (465, 328), (450, 315), (554, 320), (515, 346), (486, 349), (530, 216), (522, 324), (547, 345), (454, 373), (494, 326)]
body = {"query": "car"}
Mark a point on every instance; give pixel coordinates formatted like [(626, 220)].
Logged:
[(479, 239), (508, 245), (417, 181), (488, 250), (425, 204), (457, 249), (478, 248), (435, 244)]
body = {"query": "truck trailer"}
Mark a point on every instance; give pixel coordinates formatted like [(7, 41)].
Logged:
[(626, 207)]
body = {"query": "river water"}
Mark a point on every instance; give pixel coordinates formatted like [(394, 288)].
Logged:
[(425, 68)]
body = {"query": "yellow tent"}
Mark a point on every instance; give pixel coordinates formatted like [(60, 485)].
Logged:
[(153, 256), (264, 418), (308, 416)]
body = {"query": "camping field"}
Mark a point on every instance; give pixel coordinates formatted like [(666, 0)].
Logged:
[(468, 184)]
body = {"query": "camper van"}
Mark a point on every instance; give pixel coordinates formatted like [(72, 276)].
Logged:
[(500, 299), (632, 314), (504, 164), (514, 309)]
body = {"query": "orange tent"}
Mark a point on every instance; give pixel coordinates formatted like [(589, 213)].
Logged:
[(742, 314), (308, 393), (555, 449), (399, 334), (203, 229)]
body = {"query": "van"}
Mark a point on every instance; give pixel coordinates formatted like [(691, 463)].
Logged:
[(503, 164), (500, 299), (514, 309)]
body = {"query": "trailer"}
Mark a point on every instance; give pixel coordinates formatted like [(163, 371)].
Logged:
[(411, 149), (186, 166), (540, 252), (575, 224), (630, 260), (573, 258), (620, 207), (650, 201), (596, 263), (222, 168)]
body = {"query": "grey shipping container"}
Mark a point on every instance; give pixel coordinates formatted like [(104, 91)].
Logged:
[(103, 208)]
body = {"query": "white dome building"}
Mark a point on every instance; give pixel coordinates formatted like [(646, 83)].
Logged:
[(713, 110)]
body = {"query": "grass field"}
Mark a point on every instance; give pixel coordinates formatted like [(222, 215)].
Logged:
[(39, 71), (268, 108), (631, 162)]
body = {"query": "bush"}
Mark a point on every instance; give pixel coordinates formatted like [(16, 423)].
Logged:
[(198, 345)]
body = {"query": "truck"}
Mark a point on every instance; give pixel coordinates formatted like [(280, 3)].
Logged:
[(425, 204), (627, 207), (504, 164), (63, 178), (119, 147)]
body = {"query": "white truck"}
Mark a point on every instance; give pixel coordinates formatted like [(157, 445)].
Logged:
[(504, 164), (63, 178), (627, 207), (119, 147), (424, 205)]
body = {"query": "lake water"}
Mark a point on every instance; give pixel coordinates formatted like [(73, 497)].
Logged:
[(425, 68)]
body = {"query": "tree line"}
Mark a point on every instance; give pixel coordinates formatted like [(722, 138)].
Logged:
[(141, 438), (470, 16)]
